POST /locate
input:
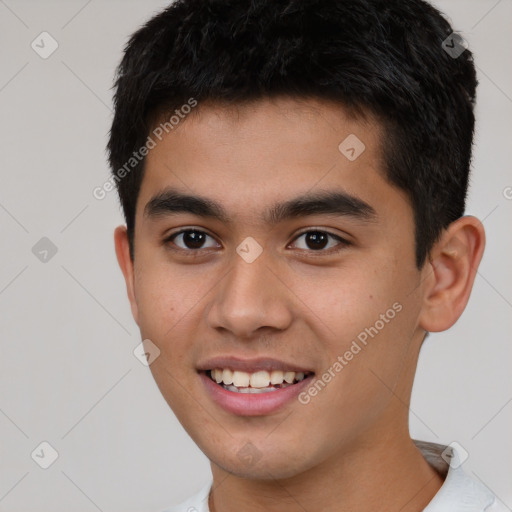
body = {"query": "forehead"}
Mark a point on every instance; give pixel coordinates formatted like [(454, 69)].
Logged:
[(248, 157)]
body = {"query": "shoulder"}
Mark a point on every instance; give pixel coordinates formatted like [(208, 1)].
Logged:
[(460, 491)]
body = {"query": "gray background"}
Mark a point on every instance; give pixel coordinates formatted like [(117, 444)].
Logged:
[(67, 372)]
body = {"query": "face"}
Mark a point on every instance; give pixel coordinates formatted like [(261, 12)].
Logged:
[(326, 287)]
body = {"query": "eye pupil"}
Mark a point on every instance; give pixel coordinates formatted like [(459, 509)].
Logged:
[(193, 239), (319, 240)]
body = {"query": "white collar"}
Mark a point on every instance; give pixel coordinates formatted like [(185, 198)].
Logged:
[(459, 491)]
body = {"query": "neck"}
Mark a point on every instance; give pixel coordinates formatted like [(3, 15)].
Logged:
[(387, 476)]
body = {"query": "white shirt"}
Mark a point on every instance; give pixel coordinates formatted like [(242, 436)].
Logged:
[(459, 492)]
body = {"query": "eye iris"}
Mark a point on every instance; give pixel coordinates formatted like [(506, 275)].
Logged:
[(318, 239), (193, 239)]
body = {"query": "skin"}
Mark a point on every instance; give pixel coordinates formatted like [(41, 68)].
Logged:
[(349, 448)]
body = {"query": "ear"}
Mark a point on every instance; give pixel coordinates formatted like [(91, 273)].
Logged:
[(450, 273), (126, 265)]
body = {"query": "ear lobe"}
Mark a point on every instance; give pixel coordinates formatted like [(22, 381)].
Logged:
[(126, 264), (453, 265)]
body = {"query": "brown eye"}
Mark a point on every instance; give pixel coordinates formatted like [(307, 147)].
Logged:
[(317, 241), (190, 239)]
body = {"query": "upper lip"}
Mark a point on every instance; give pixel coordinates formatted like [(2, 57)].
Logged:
[(251, 365)]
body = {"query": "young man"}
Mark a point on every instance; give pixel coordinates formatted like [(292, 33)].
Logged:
[(293, 177)]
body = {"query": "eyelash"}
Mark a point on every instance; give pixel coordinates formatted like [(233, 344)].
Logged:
[(342, 242)]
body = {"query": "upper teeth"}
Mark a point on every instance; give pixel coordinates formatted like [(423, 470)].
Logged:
[(260, 379)]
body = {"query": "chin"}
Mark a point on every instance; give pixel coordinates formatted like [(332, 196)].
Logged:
[(258, 464)]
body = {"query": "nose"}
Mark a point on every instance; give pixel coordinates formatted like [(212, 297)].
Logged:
[(251, 298)]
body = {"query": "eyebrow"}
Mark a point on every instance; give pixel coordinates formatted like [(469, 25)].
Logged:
[(172, 202)]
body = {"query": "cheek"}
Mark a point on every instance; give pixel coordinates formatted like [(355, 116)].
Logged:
[(343, 301), (158, 307), (164, 294), (163, 303), (165, 306), (363, 329)]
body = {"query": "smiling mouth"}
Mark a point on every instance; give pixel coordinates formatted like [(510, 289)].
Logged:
[(257, 382)]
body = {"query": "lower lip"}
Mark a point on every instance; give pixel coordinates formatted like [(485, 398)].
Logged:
[(257, 404)]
